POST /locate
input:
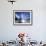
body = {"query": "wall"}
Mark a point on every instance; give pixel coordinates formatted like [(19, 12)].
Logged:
[(37, 31)]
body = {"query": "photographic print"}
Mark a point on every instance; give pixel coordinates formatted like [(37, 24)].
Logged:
[(22, 17)]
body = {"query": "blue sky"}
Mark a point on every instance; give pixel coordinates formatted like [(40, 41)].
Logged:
[(23, 15)]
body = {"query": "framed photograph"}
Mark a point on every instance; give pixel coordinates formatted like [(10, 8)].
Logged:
[(22, 17)]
